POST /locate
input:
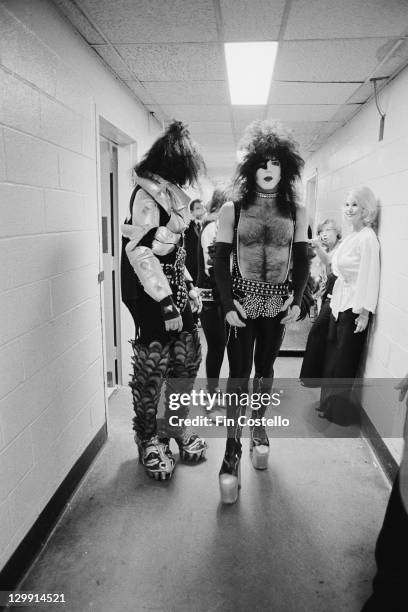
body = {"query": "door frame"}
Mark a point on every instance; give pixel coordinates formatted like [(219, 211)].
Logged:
[(111, 251), (121, 141)]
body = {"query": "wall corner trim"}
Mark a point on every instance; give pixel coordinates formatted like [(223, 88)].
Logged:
[(380, 449)]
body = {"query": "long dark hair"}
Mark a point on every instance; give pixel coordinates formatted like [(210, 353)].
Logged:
[(264, 140), (173, 156)]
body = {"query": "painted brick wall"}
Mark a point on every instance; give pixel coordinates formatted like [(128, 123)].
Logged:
[(354, 156), (52, 399)]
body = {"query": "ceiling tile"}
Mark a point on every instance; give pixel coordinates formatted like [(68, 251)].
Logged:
[(188, 92), (215, 141), (196, 112), (346, 19), (301, 112), (302, 129), (336, 60), (208, 127), (175, 62), (142, 92), (243, 115), (306, 130), (127, 21), (168, 53), (248, 21), (311, 93)]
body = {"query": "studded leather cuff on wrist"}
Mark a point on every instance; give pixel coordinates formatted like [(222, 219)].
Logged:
[(168, 308)]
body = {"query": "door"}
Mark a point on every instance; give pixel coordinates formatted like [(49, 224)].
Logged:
[(111, 259)]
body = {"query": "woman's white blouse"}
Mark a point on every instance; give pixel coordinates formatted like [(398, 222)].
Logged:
[(356, 263)]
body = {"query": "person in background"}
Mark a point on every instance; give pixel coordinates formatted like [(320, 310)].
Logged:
[(390, 591), (155, 291), (212, 320), (356, 266), (328, 239), (192, 237)]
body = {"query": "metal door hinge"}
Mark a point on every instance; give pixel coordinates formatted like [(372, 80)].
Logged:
[(101, 276)]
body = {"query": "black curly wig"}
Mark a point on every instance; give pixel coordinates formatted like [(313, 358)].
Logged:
[(173, 156), (264, 140)]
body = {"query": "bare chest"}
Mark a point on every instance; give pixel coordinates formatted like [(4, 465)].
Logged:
[(264, 239), (264, 226)]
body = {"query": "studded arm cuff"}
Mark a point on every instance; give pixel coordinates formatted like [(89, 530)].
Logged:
[(169, 309)]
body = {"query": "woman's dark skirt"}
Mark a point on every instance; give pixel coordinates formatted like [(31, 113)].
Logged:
[(338, 400)]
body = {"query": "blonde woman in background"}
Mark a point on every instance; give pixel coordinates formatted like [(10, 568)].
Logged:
[(356, 265)]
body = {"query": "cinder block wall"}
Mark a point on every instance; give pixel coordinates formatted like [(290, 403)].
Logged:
[(52, 403), (354, 156)]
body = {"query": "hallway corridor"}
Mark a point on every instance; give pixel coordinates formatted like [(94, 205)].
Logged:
[(301, 536), (88, 88)]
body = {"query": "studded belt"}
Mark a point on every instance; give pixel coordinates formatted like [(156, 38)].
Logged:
[(206, 295), (259, 298)]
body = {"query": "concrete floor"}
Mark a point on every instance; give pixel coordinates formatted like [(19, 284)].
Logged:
[(300, 538)]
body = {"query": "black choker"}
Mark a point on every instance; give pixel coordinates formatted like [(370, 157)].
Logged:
[(265, 195)]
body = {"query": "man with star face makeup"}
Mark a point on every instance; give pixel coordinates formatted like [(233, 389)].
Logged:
[(265, 231)]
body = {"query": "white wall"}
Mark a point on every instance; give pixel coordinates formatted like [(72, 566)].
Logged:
[(51, 361), (354, 156)]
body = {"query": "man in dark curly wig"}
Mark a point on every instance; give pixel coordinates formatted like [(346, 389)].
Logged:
[(155, 290), (265, 231)]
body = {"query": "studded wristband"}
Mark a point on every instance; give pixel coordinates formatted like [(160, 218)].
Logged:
[(169, 309)]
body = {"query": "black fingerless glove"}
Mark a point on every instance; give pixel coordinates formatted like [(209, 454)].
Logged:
[(168, 308), (222, 273), (300, 271)]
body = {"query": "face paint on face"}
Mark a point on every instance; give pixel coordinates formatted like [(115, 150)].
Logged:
[(268, 175)]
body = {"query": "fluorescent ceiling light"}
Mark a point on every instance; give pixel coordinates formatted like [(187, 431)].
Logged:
[(250, 67)]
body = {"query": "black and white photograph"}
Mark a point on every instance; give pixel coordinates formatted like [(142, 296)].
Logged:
[(204, 305)]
